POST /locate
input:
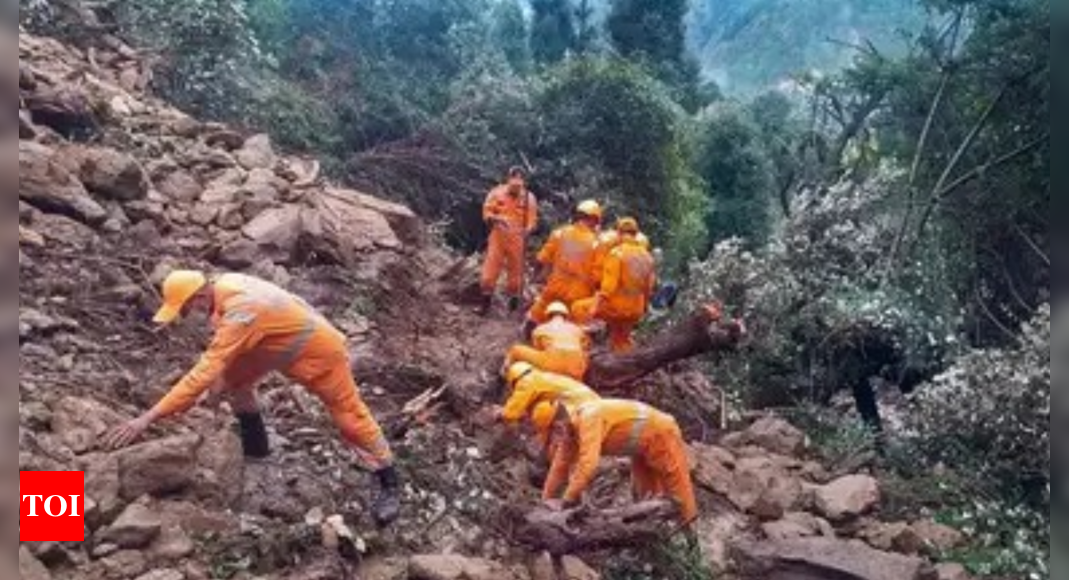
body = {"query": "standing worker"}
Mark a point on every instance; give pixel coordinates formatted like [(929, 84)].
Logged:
[(569, 257), (559, 346), (511, 213), (628, 282), (618, 428), (261, 328)]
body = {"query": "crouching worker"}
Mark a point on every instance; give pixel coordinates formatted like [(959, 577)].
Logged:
[(613, 427), (533, 389), (559, 346), (261, 328)]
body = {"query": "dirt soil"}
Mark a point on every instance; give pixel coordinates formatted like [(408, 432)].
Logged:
[(117, 188)]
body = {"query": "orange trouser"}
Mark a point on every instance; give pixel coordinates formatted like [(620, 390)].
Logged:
[(660, 468), (569, 364), (505, 252), (324, 369), (621, 328)]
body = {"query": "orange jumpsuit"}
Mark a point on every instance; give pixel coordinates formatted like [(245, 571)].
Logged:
[(261, 328), (506, 247), (619, 428), (543, 387), (607, 242), (570, 254), (627, 285), (559, 347)]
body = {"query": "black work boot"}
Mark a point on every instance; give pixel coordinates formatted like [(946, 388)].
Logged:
[(486, 303), (387, 506), (254, 440), (515, 303), (529, 327)]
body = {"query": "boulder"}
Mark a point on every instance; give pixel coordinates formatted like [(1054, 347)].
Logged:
[(102, 487), (772, 434), (798, 525), (66, 232), (764, 489), (276, 232), (543, 568), (404, 222), (239, 254), (220, 468), (821, 559), (383, 569), (79, 423), (162, 575), (180, 186), (937, 538), (346, 229), (458, 568), (30, 568), (122, 565), (158, 467), (256, 153), (847, 498), (893, 537), (27, 130), (137, 528), (113, 175), (174, 544), (47, 183), (952, 572), (713, 468), (573, 568)]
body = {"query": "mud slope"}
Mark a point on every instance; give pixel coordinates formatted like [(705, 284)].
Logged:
[(117, 188)]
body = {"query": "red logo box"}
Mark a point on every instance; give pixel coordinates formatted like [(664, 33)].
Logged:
[(52, 506)]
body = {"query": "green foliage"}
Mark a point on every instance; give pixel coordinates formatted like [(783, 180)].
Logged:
[(511, 33), (588, 107), (672, 559), (553, 32), (732, 160), (650, 30), (208, 54)]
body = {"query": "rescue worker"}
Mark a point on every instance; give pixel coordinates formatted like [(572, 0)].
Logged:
[(568, 256), (608, 241), (628, 283), (511, 213), (559, 346), (614, 427), (261, 328), (530, 387)]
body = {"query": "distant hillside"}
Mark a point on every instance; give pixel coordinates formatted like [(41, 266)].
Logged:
[(750, 45)]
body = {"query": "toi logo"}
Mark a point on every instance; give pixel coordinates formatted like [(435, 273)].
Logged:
[(52, 506)]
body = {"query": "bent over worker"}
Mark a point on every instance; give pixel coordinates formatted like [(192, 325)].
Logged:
[(559, 346), (530, 387), (511, 213), (261, 328), (611, 239), (613, 427), (628, 283), (568, 255)]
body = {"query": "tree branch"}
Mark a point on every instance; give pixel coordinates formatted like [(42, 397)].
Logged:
[(1032, 244)]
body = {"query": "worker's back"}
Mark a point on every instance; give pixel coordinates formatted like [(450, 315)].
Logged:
[(280, 317), (629, 280), (561, 335)]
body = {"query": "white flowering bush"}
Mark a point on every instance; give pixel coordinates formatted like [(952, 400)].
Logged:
[(992, 408), (819, 289)]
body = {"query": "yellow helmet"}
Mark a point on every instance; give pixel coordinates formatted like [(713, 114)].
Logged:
[(542, 416), (627, 225), (591, 209), (558, 309), (517, 372), (178, 288)]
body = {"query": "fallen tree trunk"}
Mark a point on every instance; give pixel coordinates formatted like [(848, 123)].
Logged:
[(701, 333), (583, 530)]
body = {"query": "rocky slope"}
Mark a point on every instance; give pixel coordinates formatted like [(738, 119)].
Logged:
[(116, 188)]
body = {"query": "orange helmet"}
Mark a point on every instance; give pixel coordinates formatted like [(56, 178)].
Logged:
[(628, 225), (179, 287)]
